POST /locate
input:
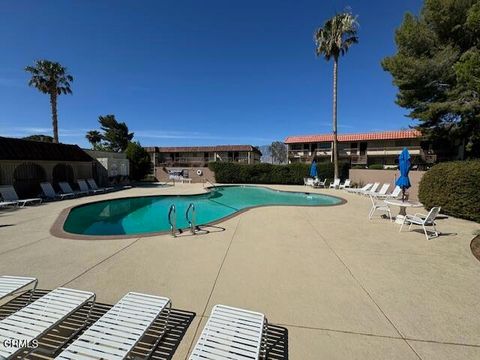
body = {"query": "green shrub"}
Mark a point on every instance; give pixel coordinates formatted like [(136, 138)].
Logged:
[(375, 167), (233, 173), (455, 186)]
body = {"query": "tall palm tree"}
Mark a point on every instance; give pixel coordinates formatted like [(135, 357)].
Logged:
[(51, 78), (332, 41)]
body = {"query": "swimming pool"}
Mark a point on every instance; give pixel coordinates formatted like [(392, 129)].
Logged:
[(141, 215)]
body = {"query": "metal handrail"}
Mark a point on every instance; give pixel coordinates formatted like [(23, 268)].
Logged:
[(173, 224), (191, 222), (205, 180)]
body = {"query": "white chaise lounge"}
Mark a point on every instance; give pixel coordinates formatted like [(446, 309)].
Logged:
[(232, 333), (423, 221), (383, 190), (335, 184), (12, 285), (67, 189), (39, 317), (50, 193), (393, 195), (10, 195), (116, 333), (372, 190), (359, 190)]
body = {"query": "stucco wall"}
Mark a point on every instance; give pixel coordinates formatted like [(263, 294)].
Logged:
[(162, 175), (365, 176)]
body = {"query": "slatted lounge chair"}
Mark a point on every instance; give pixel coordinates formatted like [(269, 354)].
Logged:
[(8, 203), (117, 332), (335, 184), (93, 185), (10, 195), (232, 333), (357, 190), (383, 190), (373, 189), (12, 285), (50, 193), (378, 205), (39, 317), (393, 195), (82, 184), (345, 185), (66, 188), (423, 221)]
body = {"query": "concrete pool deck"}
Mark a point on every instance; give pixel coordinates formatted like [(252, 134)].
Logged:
[(343, 286)]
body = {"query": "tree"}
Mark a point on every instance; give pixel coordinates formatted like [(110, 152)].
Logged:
[(278, 151), (95, 138), (43, 138), (115, 136), (140, 164), (50, 78), (332, 41), (437, 71)]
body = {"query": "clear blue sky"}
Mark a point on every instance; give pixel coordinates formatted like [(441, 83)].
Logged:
[(197, 72)]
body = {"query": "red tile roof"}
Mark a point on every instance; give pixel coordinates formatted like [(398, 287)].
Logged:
[(384, 135), (203, 148)]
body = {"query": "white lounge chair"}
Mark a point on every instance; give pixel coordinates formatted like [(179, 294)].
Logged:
[(50, 193), (12, 285), (335, 184), (378, 205), (232, 333), (39, 317), (382, 192), (82, 184), (308, 181), (10, 195), (423, 221), (116, 333), (67, 189), (345, 185), (317, 183), (372, 190), (8, 203), (93, 185), (362, 189), (393, 195)]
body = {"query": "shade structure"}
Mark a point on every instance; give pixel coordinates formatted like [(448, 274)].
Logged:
[(404, 166), (313, 169)]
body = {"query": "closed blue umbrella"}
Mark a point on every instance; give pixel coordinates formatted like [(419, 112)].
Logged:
[(404, 165), (313, 169)]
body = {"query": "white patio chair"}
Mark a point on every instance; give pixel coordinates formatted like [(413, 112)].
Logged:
[(232, 333), (362, 189), (67, 189), (116, 333), (423, 221), (317, 183), (345, 185), (335, 184), (12, 285), (10, 195), (378, 205), (39, 317), (82, 184), (93, 185), (50, 193)]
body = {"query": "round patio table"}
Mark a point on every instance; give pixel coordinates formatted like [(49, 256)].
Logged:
[(403, 207)]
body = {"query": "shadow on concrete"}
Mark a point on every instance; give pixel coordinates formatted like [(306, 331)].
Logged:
[(277, 343)]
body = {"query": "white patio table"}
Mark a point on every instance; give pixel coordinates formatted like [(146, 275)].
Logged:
[(403, 204)]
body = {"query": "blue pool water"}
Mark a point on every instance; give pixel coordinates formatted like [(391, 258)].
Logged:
[(142, 215)]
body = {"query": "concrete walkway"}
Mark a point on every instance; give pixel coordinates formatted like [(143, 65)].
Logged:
[(343, 286)]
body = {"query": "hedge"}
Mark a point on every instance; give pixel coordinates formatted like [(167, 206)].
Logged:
[(455, 186), (233, 173)]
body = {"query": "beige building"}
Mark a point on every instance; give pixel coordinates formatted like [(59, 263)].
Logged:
[(109, 164), (362, 148)]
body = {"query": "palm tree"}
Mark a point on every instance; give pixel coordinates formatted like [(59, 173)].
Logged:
[(333, 40), (50, 78), (94, 137)]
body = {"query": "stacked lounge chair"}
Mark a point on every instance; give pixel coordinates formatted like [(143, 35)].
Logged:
[(50, 193)]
